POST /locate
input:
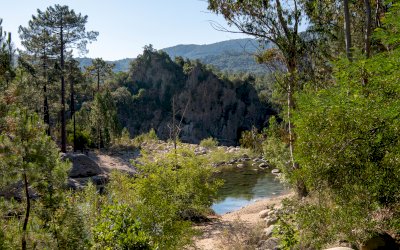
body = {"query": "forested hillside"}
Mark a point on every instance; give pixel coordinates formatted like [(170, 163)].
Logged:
[(119, 65), (233, 56), (206, 105)]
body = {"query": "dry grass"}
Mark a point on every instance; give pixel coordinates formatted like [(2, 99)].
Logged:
[(241, 236)]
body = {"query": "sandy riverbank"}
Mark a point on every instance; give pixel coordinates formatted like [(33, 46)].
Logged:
[(248, 215)]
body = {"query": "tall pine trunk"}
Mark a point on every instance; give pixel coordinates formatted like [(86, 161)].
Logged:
[(72, 108), (98, 81), (46, 112), (367, 36), (347, 30), (28, 209), (63, 125), (368, 24)]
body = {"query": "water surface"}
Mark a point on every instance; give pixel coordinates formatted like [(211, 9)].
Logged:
[(243, 186)]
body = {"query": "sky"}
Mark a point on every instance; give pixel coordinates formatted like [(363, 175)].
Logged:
[(126, 26)]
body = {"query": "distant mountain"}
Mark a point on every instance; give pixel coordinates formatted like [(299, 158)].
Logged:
[(231, 55), (120, 65), (192, 51)]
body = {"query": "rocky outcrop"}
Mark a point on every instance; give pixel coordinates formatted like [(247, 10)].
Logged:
[(83, 171), (218, 108), (82, 166), (16, 191), (205, 104)]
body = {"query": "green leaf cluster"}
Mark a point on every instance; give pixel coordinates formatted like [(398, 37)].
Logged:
[(171, 191), (348, 145)]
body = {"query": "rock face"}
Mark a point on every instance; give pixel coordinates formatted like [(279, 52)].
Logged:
[(82, 166), (16, 191), (205, 105)]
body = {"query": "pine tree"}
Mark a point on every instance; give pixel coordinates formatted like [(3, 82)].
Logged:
[(99, 69), (7, 50), (28, 155), (67, 28), (40, 53)]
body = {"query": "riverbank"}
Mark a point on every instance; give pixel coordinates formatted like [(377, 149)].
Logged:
[(245, 222)]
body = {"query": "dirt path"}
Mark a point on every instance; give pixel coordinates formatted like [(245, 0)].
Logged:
[(249, 216), (110, 161)]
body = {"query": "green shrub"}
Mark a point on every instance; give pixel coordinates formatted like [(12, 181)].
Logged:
[(252, 139), (83, 140), (209, 143), (147, 137), (118, 229), (170, 191)]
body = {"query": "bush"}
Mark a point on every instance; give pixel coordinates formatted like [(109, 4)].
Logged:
[(348, 150), (170, 190), (147, 137), (118, 229), (83, 140), (209, 143), (252, 139)]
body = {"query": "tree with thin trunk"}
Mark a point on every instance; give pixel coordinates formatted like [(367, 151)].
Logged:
[(68, 30), (7, 72), (31, 157), (347, 31), (39, 51), (99, 69), (271, 21), (74, 76), (368, 28)]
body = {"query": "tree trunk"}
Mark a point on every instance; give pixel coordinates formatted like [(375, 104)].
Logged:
[(367, 36), (98, 81), (72, 108), (368, 23), (46, 113), (378, 14), (63, 125), (290, 107), (347, 29), (74, 134), (28, 208)]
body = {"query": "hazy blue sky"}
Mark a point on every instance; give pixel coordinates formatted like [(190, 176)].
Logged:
[(126, 26)]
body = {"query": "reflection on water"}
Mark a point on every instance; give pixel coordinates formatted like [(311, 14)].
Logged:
[(243, 186)]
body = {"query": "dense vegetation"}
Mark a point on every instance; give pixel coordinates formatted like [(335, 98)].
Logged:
[(335, 137), (338, 143)]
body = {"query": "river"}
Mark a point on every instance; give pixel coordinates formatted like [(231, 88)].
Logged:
[(243, 186)]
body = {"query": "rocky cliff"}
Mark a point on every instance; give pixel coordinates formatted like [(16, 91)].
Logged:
[(205, 105)]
